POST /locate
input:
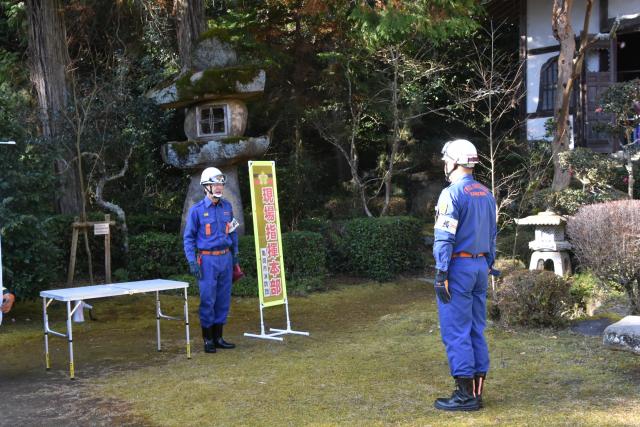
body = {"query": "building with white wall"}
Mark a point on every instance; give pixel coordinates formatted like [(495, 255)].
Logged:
[(608, 60)]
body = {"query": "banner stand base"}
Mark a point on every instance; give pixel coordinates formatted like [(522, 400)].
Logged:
[(289, 331), (276, 332), (264, 336)]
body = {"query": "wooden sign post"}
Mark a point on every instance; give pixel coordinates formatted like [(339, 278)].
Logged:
[(100, 228)]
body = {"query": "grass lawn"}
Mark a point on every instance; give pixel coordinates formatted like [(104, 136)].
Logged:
[(374, 357)]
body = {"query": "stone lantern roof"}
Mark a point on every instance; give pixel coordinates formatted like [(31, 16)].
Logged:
[(543, 218), (549, 235)]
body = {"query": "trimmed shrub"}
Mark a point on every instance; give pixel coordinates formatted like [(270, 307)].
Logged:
[(153, 255), (379, 248), (193, 288), (606, 240), (304, 262), (535, 298), (160, 222)]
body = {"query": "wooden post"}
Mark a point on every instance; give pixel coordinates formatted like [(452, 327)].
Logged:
[(107, 251), (72, 257), (85, 228)]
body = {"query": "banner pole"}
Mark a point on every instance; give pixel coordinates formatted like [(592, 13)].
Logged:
[(261, 320)]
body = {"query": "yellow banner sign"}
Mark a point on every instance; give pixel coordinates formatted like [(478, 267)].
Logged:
[(266, 230)]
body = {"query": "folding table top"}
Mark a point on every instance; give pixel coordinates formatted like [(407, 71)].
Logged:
[(112, 289)]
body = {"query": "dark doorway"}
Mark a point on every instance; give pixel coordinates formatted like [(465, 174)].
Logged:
[(628, 58), (548, 265)]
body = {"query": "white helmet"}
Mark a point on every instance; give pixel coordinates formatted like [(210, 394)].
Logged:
[(212, 176), (460, 152)]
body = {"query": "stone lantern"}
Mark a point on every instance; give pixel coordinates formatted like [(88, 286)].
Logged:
[(549, 246), (213, 94)]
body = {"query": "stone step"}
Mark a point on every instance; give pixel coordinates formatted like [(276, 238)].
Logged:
[(624, 335)]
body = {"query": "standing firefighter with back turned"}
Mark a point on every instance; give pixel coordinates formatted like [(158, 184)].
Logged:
[(211, 230), (464, 250)]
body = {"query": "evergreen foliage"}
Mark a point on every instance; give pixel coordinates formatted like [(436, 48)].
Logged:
[(379, 248)]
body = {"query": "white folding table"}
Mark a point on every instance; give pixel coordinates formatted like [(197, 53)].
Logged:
[(102, 291)]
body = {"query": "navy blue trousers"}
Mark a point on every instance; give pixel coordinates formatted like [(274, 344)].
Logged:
[(215, 289), (463, 320)]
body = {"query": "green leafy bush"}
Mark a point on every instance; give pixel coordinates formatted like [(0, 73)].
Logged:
[(569, 200), (533, 298), (584, 287), (595, 171), (32, 260), (193, 288), (155, 255), (164, 223), (379, 248), (304, 262)]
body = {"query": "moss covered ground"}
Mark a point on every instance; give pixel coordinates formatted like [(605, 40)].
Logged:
[(374, 357)]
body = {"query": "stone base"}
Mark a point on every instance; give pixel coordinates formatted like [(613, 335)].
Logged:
[(560, 259), (624, 335)]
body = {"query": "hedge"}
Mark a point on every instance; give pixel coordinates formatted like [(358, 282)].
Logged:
[(305, 258), (155, 255), (379, 248)]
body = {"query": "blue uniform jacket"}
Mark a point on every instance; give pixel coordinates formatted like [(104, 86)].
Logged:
[(465, 222), (208, 228)]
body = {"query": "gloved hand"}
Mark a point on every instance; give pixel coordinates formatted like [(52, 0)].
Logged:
[(441, 286), (194, 269), (494, 272), (237, 273), (7, 302)]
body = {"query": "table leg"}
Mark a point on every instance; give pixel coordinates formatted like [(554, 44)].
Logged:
[(70, 335), (186, 323), (158, 318), (46, 334)]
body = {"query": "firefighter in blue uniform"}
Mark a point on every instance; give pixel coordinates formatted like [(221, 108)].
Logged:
[(464, 250), (211, 248)]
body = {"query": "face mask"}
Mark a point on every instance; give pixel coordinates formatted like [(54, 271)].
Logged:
[(215, 191)]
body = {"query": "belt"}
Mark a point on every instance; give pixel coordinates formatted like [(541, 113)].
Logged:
[(466, 255), (221, 252)]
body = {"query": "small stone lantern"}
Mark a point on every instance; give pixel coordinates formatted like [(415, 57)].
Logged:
[(549, 246)]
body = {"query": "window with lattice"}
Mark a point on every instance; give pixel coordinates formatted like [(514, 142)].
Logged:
[(548, 85), (212, 120)]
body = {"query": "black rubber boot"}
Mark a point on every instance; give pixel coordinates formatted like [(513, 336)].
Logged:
[(479, 379), (209, 343), (217, 338), (462, 399)]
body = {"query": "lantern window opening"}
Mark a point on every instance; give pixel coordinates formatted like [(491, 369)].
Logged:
[(213, 120)]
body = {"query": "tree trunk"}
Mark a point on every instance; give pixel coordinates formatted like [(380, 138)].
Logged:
[(395, 138), (568, 71), (190, 24), (563, 32), (48, 61)]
